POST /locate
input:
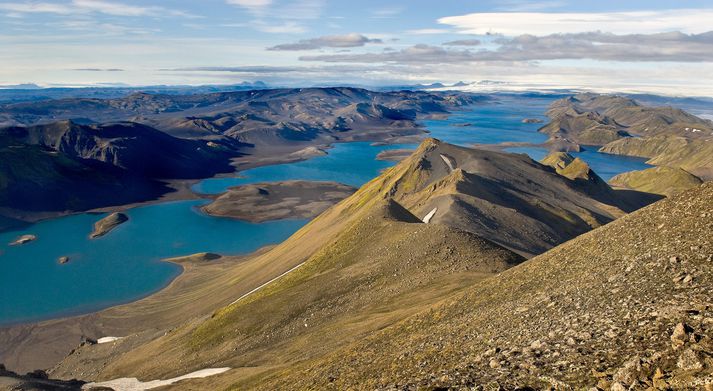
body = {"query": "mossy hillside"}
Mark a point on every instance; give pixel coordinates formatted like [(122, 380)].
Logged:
[(658, 180), (378, 270), (694, 156)]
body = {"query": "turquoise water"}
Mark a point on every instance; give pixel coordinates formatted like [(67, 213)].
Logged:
[(605, 165), (125, 264), (494, 123), (350, 163), (119, 267)]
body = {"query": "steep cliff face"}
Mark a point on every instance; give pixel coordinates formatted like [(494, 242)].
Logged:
[(139, 149)]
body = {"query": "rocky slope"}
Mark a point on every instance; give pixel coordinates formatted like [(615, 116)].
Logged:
[(506, 198), (658, 180), (627, 306)]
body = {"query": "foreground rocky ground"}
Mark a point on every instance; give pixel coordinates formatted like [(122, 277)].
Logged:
[(627, 306)]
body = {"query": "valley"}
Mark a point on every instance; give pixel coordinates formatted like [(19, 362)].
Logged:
[(268, 291)]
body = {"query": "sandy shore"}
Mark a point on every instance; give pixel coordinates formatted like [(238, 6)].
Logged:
[(27, 347)]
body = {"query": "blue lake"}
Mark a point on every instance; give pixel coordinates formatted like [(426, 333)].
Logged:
[(494, 123), (605, 165), (126, 264), (119, 267), (350, 163)]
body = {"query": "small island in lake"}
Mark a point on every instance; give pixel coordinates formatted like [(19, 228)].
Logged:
[(23, 240), (105, 225)]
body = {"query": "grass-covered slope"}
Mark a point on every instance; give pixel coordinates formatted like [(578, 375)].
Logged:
[(626, 305), (594, 119), (658, 180), (692, 155), (382, 267)]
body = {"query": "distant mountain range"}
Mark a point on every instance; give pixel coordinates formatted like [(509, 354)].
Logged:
[(84, 148), (33, 92)]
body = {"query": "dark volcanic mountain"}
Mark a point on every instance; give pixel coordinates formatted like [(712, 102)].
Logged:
[(64, 166), (139, 149), (101, 152), (261, 117)]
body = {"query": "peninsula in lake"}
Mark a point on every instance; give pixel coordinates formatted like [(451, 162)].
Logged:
[(336, 195)]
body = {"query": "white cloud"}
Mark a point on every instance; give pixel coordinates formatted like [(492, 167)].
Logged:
[(77, 7), (252, 5), (662, 47), (692, 21), (288, 27), (110, 8), (51, 8), (285, 17), (428, 31)]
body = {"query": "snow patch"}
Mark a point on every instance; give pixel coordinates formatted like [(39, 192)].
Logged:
[(449, 162), (108, 339), (134, 384), (430, 214)]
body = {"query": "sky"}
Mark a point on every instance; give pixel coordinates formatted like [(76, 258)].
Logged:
[(634, 46)]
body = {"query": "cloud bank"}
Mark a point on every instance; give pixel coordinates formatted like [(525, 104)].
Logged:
[(673, 46), (690, 21), (331, 41)]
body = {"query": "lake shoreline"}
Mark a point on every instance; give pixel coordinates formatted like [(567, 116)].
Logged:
[(42, 343)]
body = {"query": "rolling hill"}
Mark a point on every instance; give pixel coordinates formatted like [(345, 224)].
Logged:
[(592, 119), (363, 265)]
